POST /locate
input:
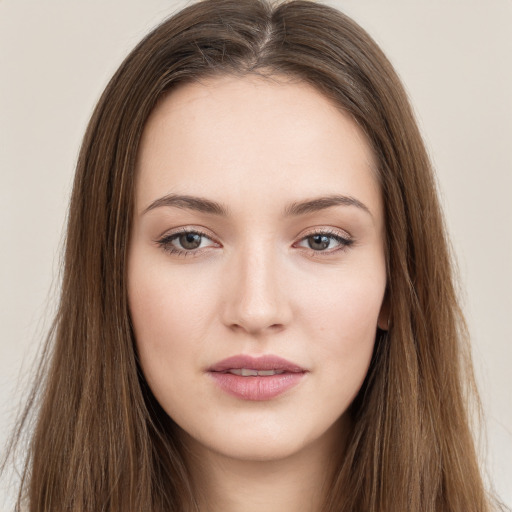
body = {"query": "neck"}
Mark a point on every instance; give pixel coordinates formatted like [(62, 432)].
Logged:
[(299, 481)]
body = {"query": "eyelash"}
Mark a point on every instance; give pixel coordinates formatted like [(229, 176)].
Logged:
[(166, 241)]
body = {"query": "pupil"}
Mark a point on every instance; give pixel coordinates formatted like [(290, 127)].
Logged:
[(190, 240), (319, 242)]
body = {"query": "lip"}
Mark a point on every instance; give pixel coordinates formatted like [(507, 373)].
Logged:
[(256, 388), (265, 362)]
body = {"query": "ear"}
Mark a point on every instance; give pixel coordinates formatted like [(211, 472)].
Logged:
[(383, 321)]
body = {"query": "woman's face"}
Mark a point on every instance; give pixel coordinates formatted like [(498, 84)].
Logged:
[(256, 268)]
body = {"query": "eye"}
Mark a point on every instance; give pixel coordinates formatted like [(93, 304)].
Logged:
[(325, 241), (186, 242), (191, 242)]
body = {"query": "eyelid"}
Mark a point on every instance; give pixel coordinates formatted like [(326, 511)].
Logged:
[(164, 241), (330, 231), (344, 240), (200, 230)]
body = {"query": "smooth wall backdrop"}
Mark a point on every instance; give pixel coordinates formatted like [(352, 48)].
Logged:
[(56, 56)]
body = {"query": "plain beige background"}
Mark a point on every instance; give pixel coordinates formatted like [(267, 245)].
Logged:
[(455, 58)]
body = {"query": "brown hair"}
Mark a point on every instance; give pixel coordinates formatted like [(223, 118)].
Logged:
[(101, 441)]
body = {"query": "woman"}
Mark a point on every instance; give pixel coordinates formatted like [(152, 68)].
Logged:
[(228, 341)]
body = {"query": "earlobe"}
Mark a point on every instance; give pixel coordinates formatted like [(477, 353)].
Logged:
[(383, 321)]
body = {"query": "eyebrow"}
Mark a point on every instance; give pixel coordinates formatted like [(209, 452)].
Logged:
[(199, 204), (321, 203), (295, 209)]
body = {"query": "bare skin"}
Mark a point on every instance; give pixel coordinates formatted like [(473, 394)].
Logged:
[(298, 482), (275, 271)]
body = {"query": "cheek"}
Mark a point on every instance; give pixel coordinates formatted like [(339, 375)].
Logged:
[(168, 311), (342, 324), (345, 303), (162, 306)]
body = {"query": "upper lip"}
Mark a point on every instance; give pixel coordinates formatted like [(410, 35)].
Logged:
[(265, 362)]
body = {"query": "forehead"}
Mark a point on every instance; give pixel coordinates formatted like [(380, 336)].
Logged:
[(252, 139)]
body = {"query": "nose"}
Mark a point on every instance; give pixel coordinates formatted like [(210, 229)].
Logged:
[(256, 295)]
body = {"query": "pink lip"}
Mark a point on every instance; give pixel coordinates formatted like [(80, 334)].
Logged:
[(256, 387)]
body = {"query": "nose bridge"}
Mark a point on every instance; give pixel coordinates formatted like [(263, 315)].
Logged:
[(256, 298)]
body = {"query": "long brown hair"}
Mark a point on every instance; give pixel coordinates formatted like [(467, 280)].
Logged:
[(101, 441)]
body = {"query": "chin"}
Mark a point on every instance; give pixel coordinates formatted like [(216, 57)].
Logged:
[(257, 448), (266, 443)]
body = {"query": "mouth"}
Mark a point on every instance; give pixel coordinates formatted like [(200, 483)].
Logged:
[(249, 372), (256, 378), (247, 363)]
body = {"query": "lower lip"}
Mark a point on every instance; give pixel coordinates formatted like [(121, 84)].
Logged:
[(257, 388)]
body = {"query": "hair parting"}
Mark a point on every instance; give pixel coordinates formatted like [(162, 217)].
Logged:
[(100, 439)]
